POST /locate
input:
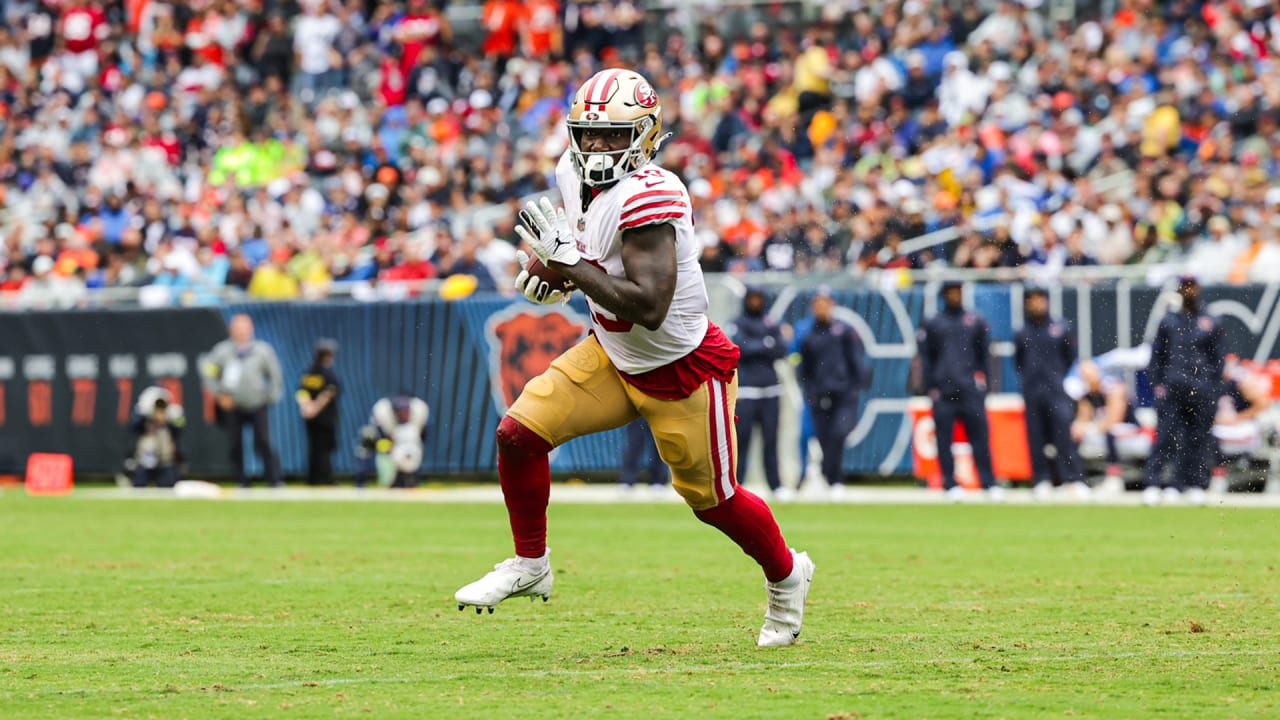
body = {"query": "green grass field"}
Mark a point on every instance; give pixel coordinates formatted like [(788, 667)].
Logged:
[(191, 609)]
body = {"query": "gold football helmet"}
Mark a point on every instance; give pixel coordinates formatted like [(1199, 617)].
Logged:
[(615, 98)]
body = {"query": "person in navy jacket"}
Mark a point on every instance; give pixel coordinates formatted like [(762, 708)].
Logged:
[(1044, 351), (759, 392), (833, 369), (955, 359), (1188, 357)]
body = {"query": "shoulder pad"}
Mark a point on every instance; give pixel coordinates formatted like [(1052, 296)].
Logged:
[(652, 198)]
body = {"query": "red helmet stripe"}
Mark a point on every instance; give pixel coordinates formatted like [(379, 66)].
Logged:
[(604, 83)]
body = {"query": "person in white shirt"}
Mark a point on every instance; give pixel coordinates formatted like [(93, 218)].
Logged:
[(313, 38), (960, 93), (1213, 256)]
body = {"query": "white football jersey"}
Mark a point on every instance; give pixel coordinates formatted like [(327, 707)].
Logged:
[(651, 195)]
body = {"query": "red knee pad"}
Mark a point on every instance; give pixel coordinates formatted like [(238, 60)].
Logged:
[(513, 436)]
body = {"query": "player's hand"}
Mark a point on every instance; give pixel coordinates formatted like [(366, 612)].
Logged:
[(547, 231), (534, 287)]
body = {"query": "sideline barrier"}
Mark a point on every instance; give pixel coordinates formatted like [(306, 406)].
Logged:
[(69, 379)]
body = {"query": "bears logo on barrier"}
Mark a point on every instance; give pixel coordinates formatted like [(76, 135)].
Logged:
[(522, 343)]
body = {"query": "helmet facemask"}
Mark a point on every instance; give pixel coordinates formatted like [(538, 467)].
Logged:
[(604, 168)]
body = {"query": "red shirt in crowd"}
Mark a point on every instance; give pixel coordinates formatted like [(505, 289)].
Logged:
[(543, 17), (502, 21), (393, 87), (168, 142), (83, 27), (414, 31), (414, 270)]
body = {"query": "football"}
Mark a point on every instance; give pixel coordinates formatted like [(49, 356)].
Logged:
[(552, 278)]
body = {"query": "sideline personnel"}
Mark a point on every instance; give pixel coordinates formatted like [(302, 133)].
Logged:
[(1188, 357), (244, 374), (1044, 351), (833, 368), (955, 352)]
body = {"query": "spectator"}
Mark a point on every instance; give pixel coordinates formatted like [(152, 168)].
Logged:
[(1138, 127), (273, 48), (272, 280), (466, 263), (314, 35), (244, 375), (1214, 255)]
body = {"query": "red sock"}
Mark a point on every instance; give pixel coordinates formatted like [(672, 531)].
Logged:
[(748, 521), (525, 474)]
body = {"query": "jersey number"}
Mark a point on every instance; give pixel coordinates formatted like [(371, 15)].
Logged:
[(612, 324), (605, 319)]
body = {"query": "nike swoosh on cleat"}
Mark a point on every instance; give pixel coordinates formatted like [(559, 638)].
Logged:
[(517, 587)]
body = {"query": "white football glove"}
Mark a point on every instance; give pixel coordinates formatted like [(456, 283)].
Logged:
[(534, 287), (556, 240)]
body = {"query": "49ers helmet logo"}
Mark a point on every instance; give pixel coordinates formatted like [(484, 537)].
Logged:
[(645, 95)]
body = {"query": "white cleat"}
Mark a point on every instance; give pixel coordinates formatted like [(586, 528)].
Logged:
[(1151, 496), (956, 494), (995, 493), (1043, 491), (1196, 497), (785, 494), (1082, 491), (836, 492), (513, 577), (785, 616), (1171, 496)]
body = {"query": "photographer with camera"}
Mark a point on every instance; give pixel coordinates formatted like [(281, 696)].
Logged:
[(396, 432), (158, 423)]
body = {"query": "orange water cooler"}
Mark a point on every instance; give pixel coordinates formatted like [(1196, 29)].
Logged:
[(1007, 426)]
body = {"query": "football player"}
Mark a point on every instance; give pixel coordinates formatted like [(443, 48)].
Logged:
[(625, 239)]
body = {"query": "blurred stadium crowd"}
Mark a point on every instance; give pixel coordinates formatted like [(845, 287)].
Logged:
[(278, 147)]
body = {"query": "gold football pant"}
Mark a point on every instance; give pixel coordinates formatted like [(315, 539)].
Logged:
[(582, 393)]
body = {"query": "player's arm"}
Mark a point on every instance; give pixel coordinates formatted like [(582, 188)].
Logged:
[(1084, 412), (644, 294), (1257, 393), (1116, 408)]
